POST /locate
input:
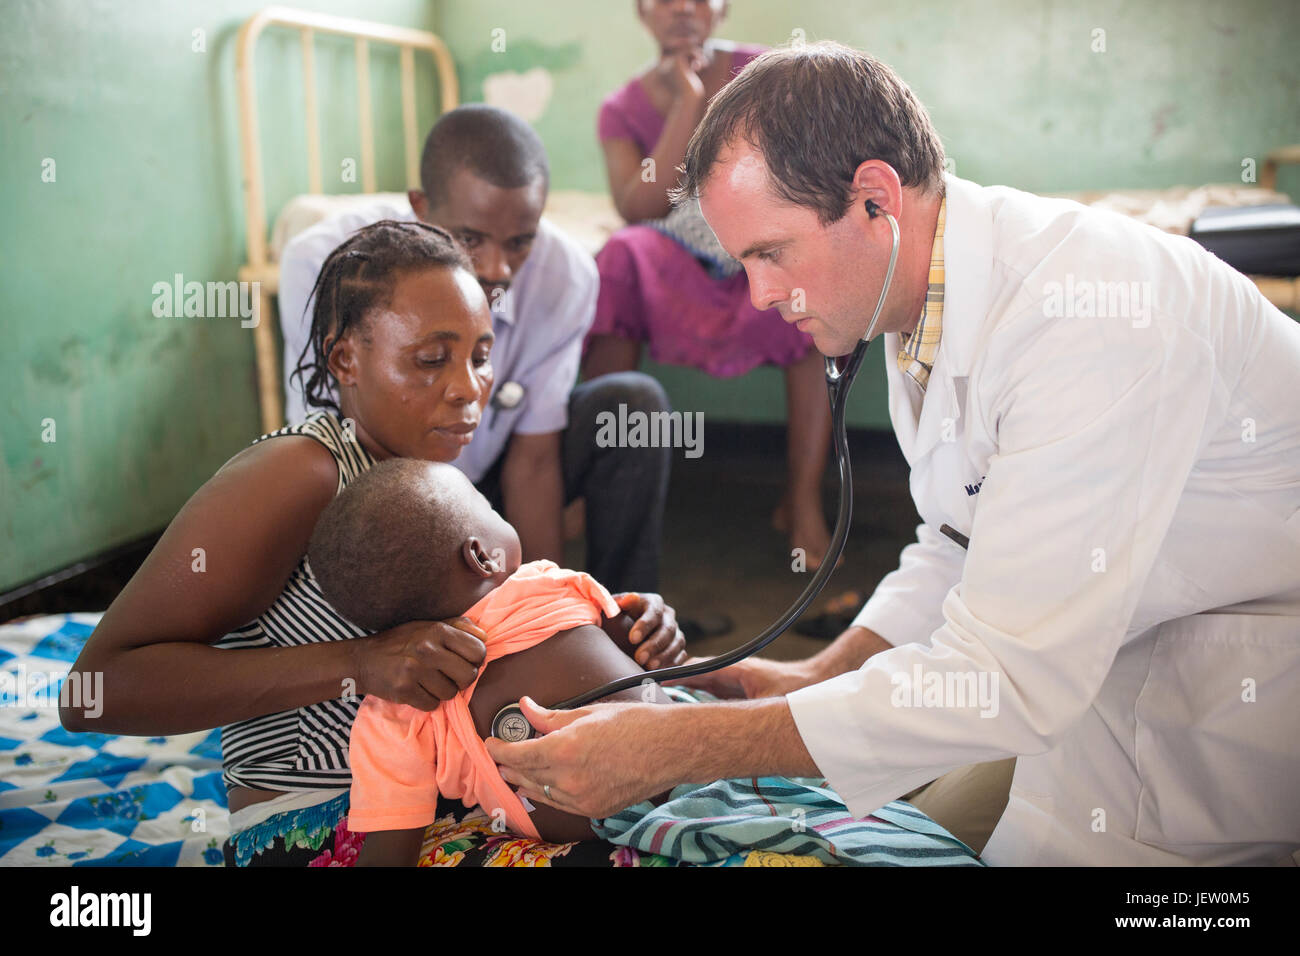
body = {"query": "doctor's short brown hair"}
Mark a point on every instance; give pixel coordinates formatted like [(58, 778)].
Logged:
[(816, 113)]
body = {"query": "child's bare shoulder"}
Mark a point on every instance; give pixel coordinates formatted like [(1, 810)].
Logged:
[(560, 667)]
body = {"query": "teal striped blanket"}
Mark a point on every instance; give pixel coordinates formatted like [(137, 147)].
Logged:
[(733, 822), (800, 817)]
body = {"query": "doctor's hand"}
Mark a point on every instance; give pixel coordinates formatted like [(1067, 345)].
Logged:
[(753, 677), (596, 760), (654, 634)]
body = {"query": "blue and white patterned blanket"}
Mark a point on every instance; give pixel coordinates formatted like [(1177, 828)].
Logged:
[(102, 800), (95, 799)]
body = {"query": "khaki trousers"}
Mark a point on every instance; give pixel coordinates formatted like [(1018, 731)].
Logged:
[(968, 801)]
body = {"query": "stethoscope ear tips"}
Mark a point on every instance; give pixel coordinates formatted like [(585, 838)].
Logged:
[(511, 725)]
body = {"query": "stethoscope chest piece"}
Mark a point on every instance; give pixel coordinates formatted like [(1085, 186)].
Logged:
[(511, 725)]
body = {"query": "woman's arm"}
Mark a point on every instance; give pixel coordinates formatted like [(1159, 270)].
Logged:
[(639, 192), (223, 561), (532, 492)]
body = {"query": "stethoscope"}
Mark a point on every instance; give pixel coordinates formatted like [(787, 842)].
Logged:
[(511, 725)]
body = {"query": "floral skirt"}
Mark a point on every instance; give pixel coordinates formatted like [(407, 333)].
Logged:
[(303, 836), (318, 836)]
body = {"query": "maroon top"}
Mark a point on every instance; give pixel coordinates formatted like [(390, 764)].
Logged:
[(628, 113)]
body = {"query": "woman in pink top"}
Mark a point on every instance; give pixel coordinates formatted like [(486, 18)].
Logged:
[(654, 289)]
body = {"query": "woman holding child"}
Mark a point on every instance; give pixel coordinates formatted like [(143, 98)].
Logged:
[(402, 328)]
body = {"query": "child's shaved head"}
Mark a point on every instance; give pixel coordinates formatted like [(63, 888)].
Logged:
[(409, 540)]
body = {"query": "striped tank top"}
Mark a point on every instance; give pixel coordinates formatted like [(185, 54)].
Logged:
[(306, 748)]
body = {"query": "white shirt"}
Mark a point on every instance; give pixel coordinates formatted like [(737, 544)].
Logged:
[(1131, 488), (539, 326)]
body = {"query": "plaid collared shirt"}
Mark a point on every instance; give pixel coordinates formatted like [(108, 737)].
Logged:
[(916, 357)]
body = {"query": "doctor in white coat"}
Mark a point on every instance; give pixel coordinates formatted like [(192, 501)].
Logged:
[(1108, 412)]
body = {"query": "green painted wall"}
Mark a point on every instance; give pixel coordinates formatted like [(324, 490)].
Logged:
[(142, 130)]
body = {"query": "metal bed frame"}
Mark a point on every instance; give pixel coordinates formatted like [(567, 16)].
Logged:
[(259, 268)]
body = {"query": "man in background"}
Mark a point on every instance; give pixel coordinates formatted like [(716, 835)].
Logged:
[(484, 177)]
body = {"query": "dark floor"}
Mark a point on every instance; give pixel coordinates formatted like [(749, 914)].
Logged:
[(721, 553)]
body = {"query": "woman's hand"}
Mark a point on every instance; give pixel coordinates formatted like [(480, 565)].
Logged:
[(420, 663), (679, 72), (654, 633), (753, 677)]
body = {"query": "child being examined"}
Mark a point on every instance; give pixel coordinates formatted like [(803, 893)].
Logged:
[(414, 540)]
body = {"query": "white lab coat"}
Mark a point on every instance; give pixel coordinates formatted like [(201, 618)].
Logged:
[(1131, 488)]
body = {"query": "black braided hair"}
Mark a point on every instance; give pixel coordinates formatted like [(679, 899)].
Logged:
[(359, 276)]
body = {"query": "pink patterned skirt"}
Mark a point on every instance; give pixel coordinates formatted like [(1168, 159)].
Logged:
[(653, 290)]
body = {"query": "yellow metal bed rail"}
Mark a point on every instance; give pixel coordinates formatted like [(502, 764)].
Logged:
[(259, 268)]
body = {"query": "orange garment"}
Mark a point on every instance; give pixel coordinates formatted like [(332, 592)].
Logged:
[(403, 758)]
